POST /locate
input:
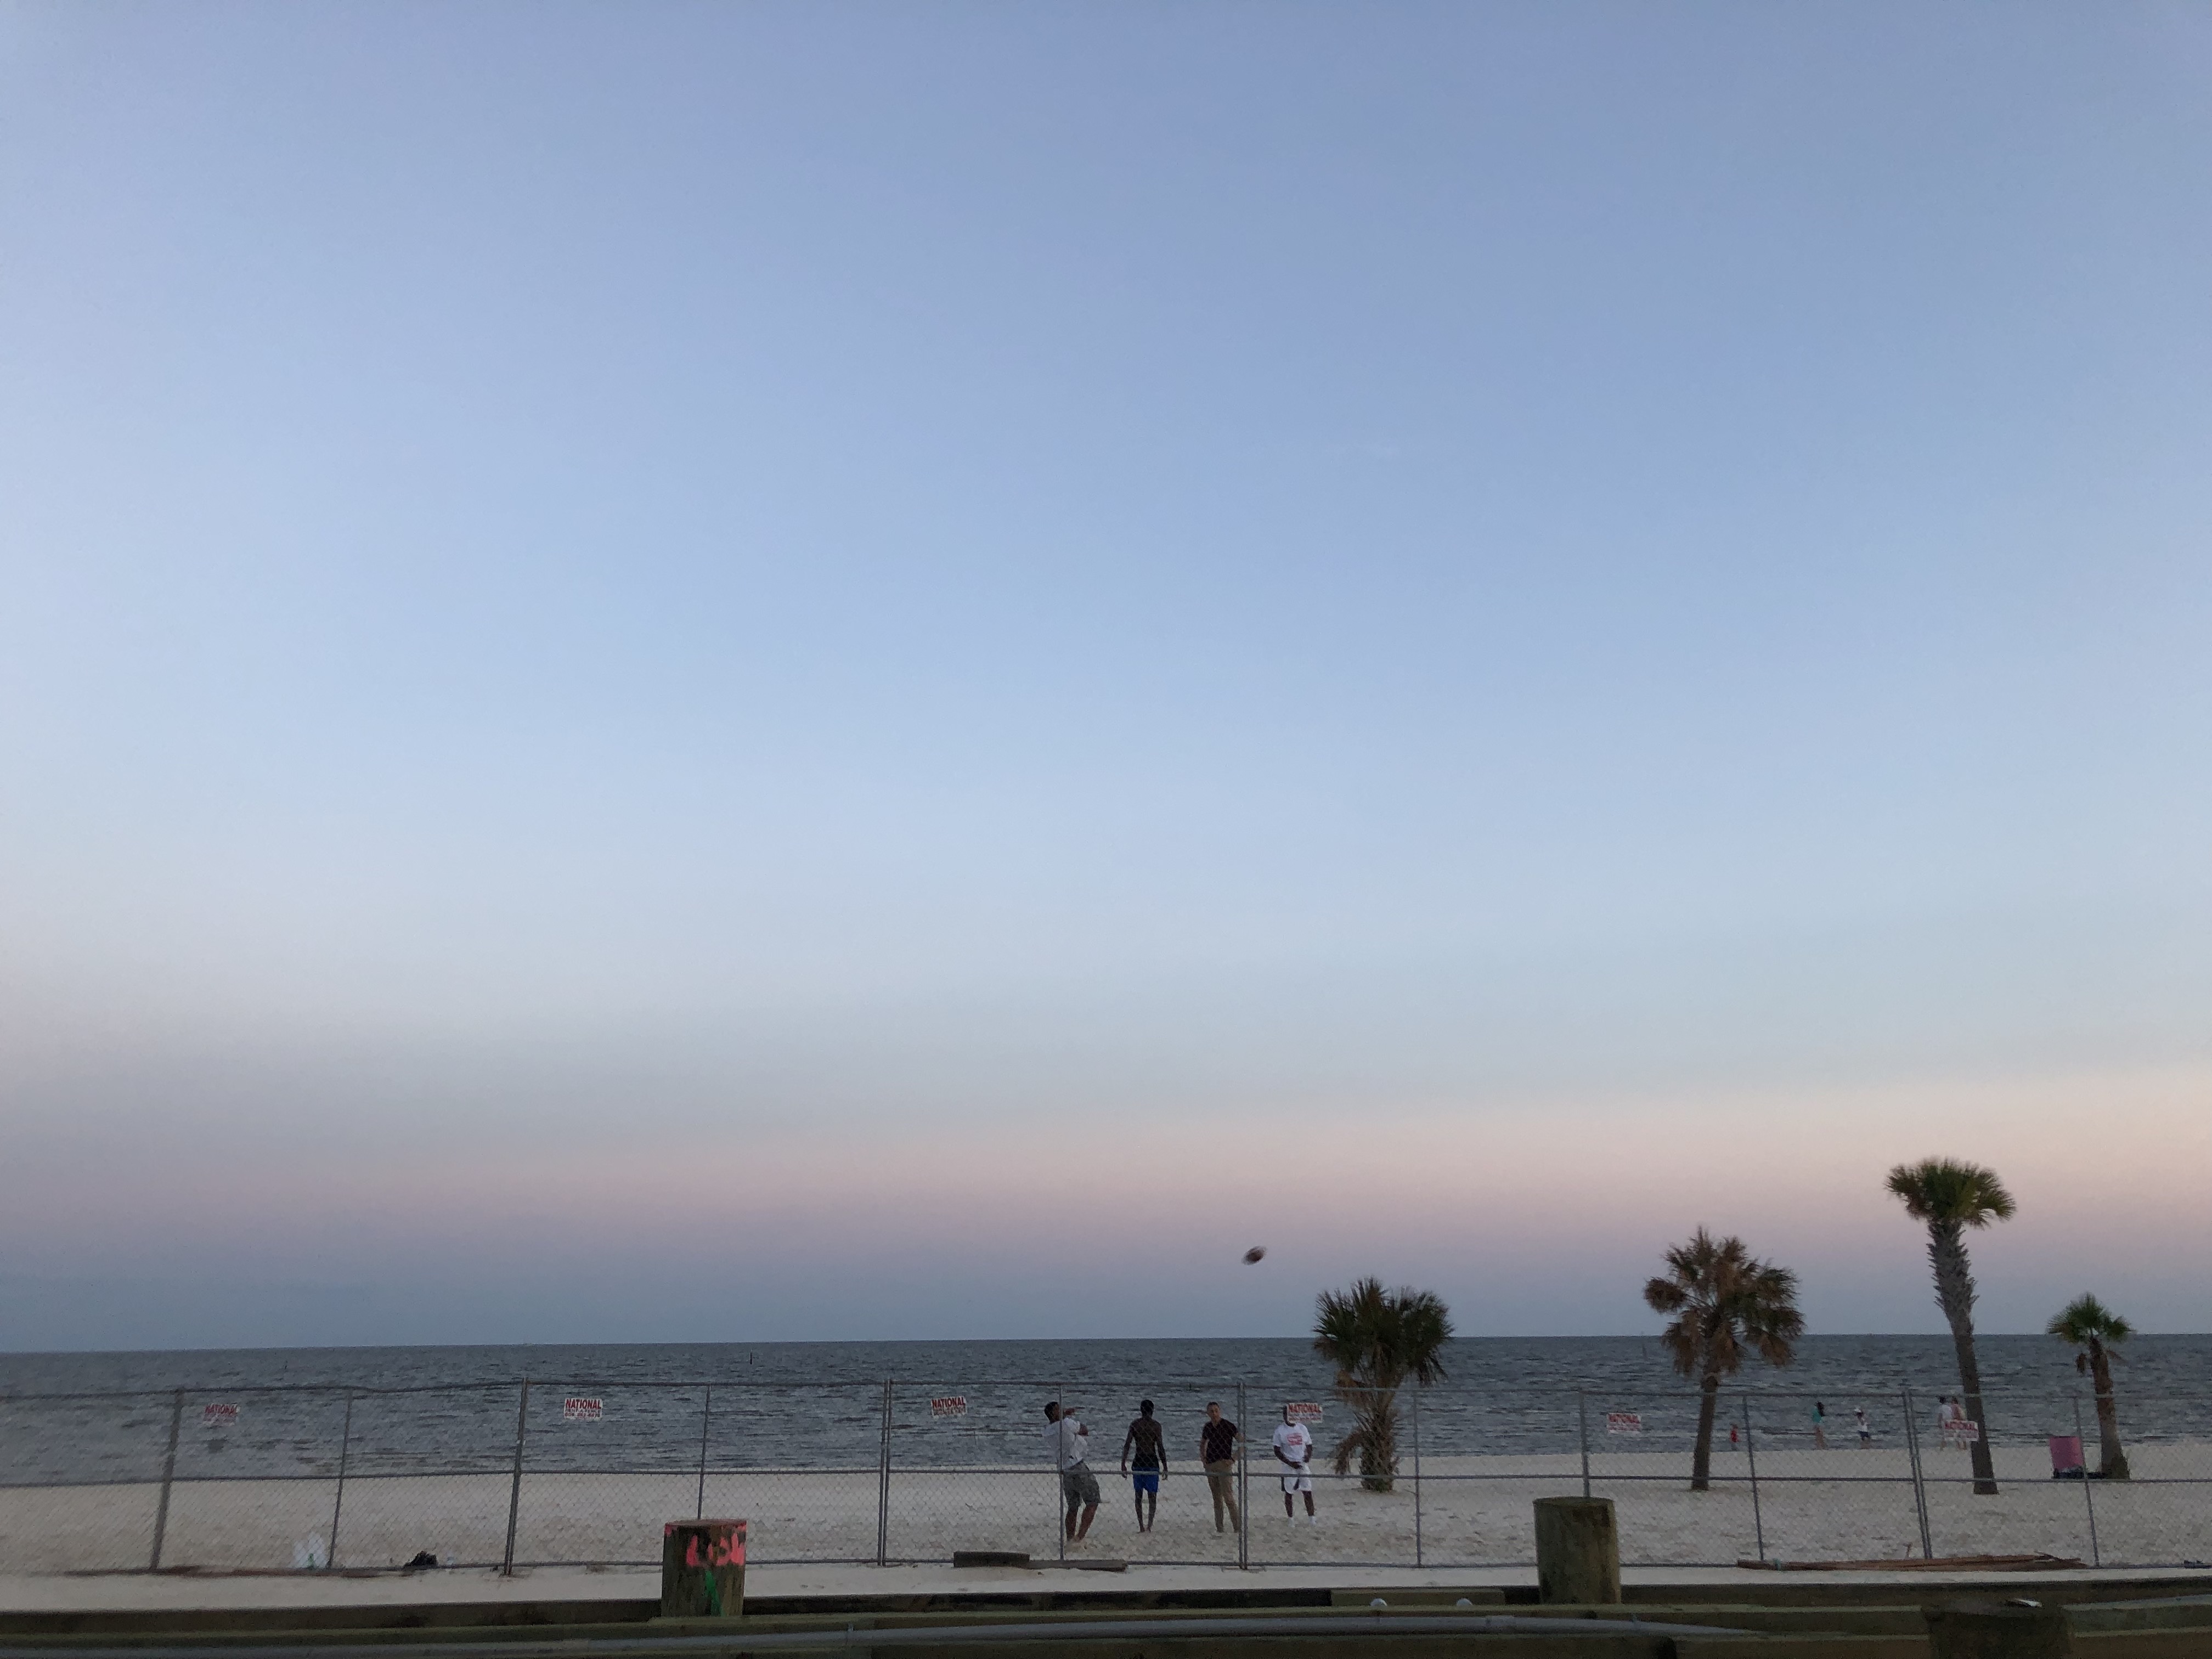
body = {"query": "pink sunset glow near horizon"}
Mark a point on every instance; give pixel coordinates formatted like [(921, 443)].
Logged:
[(1534, 1217)]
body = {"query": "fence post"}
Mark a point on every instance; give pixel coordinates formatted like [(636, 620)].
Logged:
[(883, 1484), (706, 1420), (338, 1503), (2096, 1557), (1582, 1411), (1059, 1486), (1243, 1487), (1417, 1474), (1751, 1451), (168, 1478), (514, 1490), (1919, 1480)]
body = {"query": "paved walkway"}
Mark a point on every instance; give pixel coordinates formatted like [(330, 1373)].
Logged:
[(63, 1593)]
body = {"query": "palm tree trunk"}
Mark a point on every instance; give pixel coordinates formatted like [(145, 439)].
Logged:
[(1378, 1454), (2111, 1461), (1955, 1291), (1701, 1460)]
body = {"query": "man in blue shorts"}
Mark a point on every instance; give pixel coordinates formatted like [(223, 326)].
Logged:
[(1150, 1449)]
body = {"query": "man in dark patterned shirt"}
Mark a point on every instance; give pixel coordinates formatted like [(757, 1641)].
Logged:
[(1217, 1450)]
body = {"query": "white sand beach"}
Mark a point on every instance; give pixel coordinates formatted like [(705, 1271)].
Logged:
[(1840, 1503)]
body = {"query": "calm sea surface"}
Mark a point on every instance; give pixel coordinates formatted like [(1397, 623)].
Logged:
[(822, 1404)]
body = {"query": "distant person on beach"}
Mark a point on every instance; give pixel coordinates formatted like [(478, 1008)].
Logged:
[(1216, 1451), (1293, 1446), (1149, 1447), (1950, 1422), (1866, 1428), (1068, 1443), (1819, 1425)]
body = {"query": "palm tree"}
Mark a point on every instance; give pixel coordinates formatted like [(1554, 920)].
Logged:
[(1950, 1197), (2089, 1325), (1723, 1300), (1376, 1340)]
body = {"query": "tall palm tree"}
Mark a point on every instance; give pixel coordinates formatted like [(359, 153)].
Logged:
[(1377, 1339), (2089, 1324), (1951, 1196), (1724, 1300)]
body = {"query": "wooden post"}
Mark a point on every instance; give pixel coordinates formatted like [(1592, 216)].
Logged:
[(702, 1569), (1998, 1630), (1578, 1551), (514, 1491), (169, 1479)]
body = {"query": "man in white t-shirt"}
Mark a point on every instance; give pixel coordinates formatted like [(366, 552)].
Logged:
[(1293, 1446), (1068, 1443)]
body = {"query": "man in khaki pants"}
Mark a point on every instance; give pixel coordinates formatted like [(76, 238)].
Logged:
[(1217, 1450)]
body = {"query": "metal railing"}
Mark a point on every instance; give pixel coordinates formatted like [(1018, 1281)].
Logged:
[(581, 1473)]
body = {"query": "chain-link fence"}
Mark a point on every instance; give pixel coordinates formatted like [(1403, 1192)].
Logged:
[(504, 1474)]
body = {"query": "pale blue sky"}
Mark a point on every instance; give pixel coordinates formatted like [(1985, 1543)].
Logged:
[(996, 592)]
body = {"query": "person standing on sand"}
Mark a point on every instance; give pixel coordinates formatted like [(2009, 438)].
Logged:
[(1216, 1451), (1950, 1423), (1820, 1426), (1150, 1447), (1293, 1446), (1866, 1428), (1068, 1443)]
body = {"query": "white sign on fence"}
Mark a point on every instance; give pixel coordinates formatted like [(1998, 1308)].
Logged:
[(1302, 1411), (1624, 1423), (579, 1409), (949, 1405), (1966, 1430), (220, 1415)]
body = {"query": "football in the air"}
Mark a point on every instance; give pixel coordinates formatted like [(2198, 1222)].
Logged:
[(1254, 1254)]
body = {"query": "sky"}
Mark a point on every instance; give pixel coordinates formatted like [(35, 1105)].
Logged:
[(737, 672)]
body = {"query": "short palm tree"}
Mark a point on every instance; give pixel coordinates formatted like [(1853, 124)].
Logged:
[(2095, 1330), (1950, 1196), (1377, 1339), (1724, 1300)]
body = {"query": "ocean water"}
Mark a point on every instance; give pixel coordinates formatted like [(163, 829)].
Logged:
[(846, 1405)]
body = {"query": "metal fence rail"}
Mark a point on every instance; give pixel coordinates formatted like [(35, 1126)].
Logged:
[(528, 1473)]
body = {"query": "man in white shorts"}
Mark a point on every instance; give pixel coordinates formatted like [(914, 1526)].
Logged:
[(1293, 1446)]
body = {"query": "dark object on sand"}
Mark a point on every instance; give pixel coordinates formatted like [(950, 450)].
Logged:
[(990, 1557), (422, 1559)]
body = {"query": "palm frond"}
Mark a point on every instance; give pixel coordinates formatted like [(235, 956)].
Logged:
[(1948, 1189), (1724, 1299), (2085, 1319)]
